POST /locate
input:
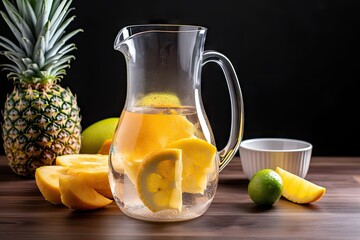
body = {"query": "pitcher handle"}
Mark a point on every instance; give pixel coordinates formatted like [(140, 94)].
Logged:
[(237, 106)]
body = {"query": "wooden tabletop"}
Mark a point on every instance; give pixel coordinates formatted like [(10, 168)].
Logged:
[(26, 215)]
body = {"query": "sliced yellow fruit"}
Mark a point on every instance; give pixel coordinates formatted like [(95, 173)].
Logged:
[(47, 180), (159, 180), (92, 169), (106, 192), (198, 158), (80, 182), (77, 195), (94, 176), (105, 147), (299, 190), (159, 99), (82, 159), (140, 134)]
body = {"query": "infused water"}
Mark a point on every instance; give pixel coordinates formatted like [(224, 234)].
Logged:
[(144, 185)]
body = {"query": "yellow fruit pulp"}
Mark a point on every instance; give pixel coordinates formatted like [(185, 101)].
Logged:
[(299, 190), (47, 180), (140, 134), (94, 176), (105, 147), (198, 158), (75, 194), (106, 192), (81, 182), (82, 159), (159, 99), (159, 180), (92, 169)]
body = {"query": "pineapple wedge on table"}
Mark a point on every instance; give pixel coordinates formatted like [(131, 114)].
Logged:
[(41, 118)]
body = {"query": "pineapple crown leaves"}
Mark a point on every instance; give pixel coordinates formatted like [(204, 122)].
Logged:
[(41, 55)]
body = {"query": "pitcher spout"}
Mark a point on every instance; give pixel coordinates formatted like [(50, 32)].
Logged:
[(121, 37)]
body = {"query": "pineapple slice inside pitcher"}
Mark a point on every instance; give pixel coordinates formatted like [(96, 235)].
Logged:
[(198, 161)]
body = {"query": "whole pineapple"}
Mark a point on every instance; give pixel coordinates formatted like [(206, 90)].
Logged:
[(41, 119)]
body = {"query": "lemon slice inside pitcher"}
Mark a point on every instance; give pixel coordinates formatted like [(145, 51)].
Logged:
[(159, 180), (159, 99), (198, 158)]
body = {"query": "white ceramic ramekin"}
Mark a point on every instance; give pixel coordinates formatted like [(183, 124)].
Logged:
[(289, 154)]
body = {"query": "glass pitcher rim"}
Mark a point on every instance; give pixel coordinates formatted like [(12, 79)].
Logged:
[(156, 28), (194, 27)]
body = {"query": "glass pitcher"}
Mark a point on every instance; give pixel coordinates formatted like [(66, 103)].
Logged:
[(163, 163)]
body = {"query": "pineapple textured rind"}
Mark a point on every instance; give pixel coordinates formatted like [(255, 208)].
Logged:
[(39, 124)]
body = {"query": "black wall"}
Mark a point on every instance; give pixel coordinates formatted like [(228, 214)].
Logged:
[(297, 63)]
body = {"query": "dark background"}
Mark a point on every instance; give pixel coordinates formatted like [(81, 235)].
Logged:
[(297, 63)]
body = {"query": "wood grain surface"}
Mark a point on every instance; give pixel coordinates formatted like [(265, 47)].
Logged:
[(26, 215)]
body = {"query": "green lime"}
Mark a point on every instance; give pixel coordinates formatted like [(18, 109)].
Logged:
[(265, 187)]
